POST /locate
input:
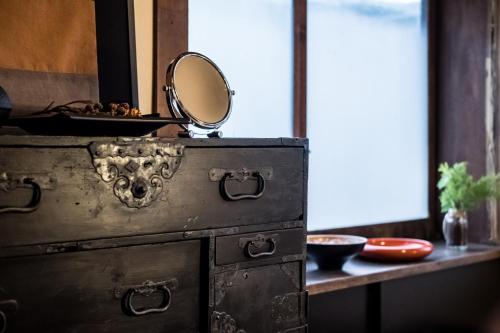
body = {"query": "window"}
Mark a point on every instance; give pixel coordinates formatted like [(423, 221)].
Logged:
[(367, 103), (252, 43), (367, 112)]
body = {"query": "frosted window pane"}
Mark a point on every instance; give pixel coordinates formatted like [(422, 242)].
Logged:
[(367, 112), (251, 41)]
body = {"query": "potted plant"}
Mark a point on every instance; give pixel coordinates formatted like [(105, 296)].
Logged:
[(459, 194)]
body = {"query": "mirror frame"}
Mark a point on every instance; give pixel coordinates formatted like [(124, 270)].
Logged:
[(175, 105)]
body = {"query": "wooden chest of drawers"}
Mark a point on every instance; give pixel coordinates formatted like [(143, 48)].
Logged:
[(149, 235)]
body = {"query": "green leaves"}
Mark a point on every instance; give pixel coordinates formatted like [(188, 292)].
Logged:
[(460, 191)]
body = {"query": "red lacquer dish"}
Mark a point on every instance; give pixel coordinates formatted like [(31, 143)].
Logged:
[(396, 249)]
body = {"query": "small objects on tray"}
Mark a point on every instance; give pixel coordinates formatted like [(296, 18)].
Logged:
[(85, 118), (332, 251), (396, 249), (123, 109), (93, 109)]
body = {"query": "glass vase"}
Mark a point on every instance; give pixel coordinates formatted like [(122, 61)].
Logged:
[(455, 229)]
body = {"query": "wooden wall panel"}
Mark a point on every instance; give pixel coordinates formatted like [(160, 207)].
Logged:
[(171, 39), (463, 44), (48, 36), (32, 91), (458, 300), (47, 53)]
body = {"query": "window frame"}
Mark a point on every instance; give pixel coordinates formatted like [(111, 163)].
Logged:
[(172, 15)]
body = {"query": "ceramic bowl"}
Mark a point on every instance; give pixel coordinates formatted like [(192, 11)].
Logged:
[(332, 251)]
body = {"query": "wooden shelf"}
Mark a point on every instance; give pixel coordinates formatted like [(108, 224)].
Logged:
[(358, 272)]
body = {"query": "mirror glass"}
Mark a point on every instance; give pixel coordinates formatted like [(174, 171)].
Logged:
[(201, 91)]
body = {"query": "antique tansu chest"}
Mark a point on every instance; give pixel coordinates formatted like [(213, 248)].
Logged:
[(152, 235)]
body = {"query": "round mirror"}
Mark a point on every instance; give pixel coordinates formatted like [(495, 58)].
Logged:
[(197, 89)]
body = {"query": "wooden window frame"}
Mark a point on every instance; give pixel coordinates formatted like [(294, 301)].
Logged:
[(172, 16)]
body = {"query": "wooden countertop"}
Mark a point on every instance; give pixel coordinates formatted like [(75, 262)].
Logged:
[(358, 272), (15, 137)]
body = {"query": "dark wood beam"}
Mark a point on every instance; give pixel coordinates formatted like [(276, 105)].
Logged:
[(434, 225), (412, 229), (170, 39), (463, 43), (300, 68)]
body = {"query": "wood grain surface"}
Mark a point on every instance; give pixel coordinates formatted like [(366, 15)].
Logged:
[(83, 206), (359, 272), (77, 292)]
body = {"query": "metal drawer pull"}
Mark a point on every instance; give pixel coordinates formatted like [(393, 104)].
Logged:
[(32, 205), (6, 307), (255, 244), (147, 289), (261, 187)]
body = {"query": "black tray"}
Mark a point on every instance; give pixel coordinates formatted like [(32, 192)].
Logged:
[(91, 125)]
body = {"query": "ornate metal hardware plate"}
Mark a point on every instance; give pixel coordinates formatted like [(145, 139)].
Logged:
[(224, 323), (289, 308), (147, 289), (37, 182), (136, 169)]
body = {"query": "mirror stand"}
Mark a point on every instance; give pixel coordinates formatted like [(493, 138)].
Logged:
[(215, 134), (191, 134)]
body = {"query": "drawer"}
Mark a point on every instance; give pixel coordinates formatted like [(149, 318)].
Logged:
[(254, 246), (83, 197), (136, 289), (261, 299)]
